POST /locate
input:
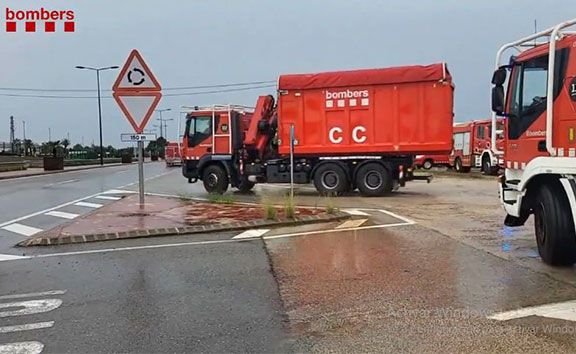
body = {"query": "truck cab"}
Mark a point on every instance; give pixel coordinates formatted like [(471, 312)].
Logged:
[(539, 106)]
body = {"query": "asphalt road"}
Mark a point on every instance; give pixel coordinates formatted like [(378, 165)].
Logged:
[(428, 277)]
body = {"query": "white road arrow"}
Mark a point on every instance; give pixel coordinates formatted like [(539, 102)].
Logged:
[(561, 310)]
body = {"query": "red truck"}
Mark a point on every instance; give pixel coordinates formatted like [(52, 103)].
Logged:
[(353, 129), (172, 154), (472, 146), (540, 145), (428, 161)]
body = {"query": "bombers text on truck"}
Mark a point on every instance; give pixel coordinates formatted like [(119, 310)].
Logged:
[(540, 144), (353, 129)]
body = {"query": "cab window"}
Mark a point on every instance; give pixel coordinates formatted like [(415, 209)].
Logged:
[(198, 129)]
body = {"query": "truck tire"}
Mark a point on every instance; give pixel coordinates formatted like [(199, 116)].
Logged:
[(487, 167), (427, 164), (459, 167), (554, 226), (215, 179), (245, 186), (330, 179), (373, 180)]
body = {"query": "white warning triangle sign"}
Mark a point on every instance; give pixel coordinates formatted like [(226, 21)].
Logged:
[(138, 107), (136, 75)]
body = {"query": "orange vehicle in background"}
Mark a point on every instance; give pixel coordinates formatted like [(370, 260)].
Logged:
[(173, 154), (352, 129), (472, 146)]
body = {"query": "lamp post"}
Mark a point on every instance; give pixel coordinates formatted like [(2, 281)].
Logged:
[(99, 103), (161, 120), (24, 136)]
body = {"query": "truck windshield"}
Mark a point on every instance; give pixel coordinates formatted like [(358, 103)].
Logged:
[(198, 129)]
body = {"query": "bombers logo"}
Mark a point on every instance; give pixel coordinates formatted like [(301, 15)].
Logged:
[(349, 98), (30, 18), (538, 133)]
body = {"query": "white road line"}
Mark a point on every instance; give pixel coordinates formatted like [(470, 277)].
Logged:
[(351, 223), (44, 293), (561, 310), (21, 348), (10, 257), (22, 229), (334, 231), (63, 182), (26, 327), (89, 205), (394, 215), (355, 212), (46, 210), (118, 191), (61, 214), (251, 233), (107, 197)]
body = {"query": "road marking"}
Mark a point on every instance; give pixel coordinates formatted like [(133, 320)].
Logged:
[(44, 293), (561, 310), (60, 183), (26, 327), (394, 215), (355, 212), (251, 233), (61, 214), (21, 348), (10, 257), (22, 229), (89, 205), (351, 223), (107, 197), (29, 307), (118, 191)]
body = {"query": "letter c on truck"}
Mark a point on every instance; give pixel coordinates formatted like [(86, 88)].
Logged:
[(355, 137), (332, 137)]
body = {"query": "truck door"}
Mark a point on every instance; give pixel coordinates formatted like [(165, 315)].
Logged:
[(466, 144), (198, 136)]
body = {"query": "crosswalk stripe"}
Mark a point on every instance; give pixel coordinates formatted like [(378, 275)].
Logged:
[(107, 197), (118, 191), (22, 229), (26, 327), (351, 224), (88, 205), (61, 214), (355, 212), (251, 233)]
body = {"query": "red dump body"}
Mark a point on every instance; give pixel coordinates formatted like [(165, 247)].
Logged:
[(401, 110)]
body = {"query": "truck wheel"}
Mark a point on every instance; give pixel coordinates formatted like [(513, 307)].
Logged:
[(487, 167), (215, 179), (245, 186), (427, 164), (554, 226), (373, 180), (330, 179)]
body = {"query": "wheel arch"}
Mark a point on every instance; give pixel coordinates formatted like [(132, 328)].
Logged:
[(223, 161)]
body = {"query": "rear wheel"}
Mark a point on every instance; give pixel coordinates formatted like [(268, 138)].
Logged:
[(459, 167), (554, 226), (487, 167), (215, 179), (373, 180), (427, 164), (330, 179)]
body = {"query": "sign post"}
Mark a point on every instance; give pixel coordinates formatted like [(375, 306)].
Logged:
[(291, 161), (137, 92)]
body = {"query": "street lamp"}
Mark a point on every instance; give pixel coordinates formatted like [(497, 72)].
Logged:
[(99, 103), (161, 120)]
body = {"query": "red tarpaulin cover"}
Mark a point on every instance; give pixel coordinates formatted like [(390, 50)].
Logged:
[(395, 75)]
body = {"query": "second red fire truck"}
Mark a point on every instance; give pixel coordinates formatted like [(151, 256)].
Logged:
[(472, 146)]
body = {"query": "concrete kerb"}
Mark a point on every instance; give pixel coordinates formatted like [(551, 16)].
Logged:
[(61, 171), (176, 231)]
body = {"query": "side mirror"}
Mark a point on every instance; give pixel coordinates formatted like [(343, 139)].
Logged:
[(498, 100), (499, 77)]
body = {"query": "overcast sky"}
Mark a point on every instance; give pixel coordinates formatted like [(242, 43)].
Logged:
[(194, 42)]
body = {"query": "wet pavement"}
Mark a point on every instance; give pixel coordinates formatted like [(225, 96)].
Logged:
[(421, 275)]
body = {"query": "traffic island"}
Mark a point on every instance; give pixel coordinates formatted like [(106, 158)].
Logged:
[(166, 216)]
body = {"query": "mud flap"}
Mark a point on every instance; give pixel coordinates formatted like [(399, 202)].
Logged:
[(569, 184)]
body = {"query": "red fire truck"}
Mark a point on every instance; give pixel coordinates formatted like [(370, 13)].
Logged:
[(172, 154), (540, 146), (472, 141), (352, 129)]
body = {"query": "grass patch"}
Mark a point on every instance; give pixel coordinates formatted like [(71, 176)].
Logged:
[(289, 207), (270, 211), (331, 206), (221, 199)]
